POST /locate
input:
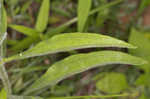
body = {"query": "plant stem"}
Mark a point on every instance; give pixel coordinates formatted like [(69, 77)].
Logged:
[(77, 97), (5, 80), (3, 73)]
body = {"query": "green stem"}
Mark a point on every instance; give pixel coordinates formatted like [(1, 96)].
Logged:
[(76, 97), (3, 73), (5, 80)]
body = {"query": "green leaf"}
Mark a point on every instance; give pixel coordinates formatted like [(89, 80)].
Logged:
[(42, 19), (83, 11), (3, 23), (25, 30), (79, 63), (112, 83), (137, 38), (3, 94), (62, 27), (70, 41)]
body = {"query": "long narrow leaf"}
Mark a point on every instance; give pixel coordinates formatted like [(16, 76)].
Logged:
[(42, 19), (83, 12), (62, 27), (71, 41), (79, 63), (25, 30)]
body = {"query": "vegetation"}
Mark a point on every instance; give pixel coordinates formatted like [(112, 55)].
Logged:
[(74, 49)]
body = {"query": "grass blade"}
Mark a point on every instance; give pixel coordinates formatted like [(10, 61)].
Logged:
[(70, 41), (42, 19), (83, 7), (25, 30), (61, 28), (79, 63)]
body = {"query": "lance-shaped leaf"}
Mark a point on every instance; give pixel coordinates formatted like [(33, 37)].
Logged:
[(62, 27), (70, 41), (79, 63), (25, 30), (83, 11), (42, 19), (3, 23)]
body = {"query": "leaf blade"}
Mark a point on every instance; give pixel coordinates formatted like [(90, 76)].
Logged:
[(25, 30), (83, 7), (71, 41), (79, 63), (42, 19)]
